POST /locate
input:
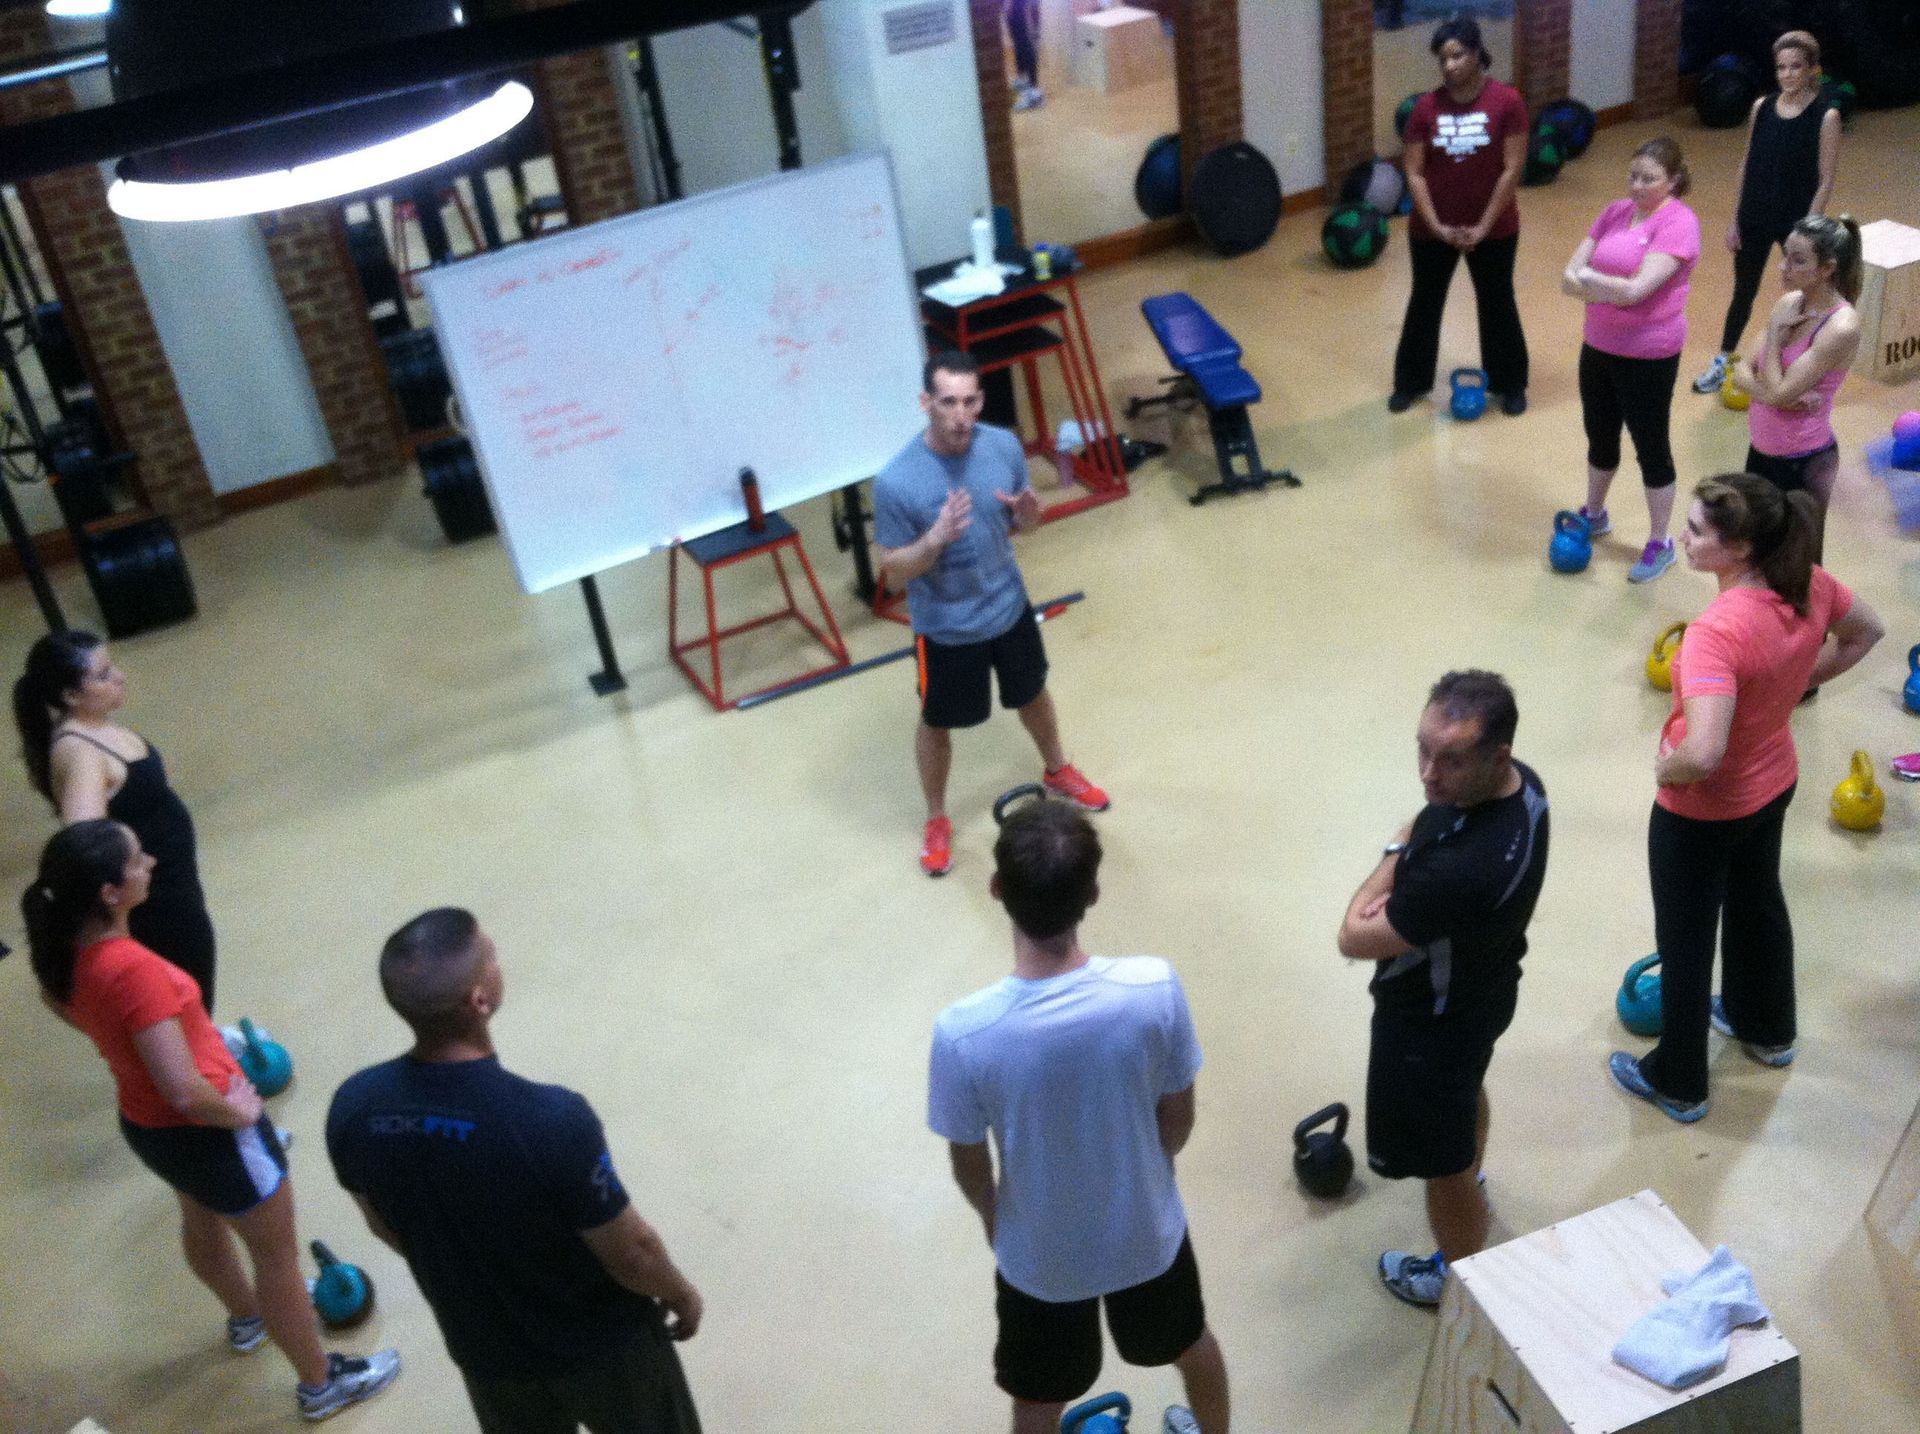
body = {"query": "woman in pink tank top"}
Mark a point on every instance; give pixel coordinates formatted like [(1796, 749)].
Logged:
[(1812, 337)]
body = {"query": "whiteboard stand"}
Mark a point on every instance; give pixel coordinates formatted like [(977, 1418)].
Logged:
[(608, 679)]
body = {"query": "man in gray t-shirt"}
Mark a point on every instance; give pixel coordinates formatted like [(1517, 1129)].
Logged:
[(945, 510)]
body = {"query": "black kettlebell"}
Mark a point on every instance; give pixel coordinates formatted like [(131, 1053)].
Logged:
[(1014, 797), (1321, 1161)]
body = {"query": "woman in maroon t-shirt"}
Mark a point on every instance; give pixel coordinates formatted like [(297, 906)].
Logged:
[(1466, 146)]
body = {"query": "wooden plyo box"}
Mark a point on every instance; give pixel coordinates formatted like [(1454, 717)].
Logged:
[(1527, 1330), (1119, 48), (1889, 302), (1894, 1212)]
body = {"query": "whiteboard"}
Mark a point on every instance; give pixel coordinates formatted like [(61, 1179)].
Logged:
[(616, 378)]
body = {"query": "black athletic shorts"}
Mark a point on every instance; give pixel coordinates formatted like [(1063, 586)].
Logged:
[(1423, 1089), (228, 1171), (954, 688), (1787, 474), (1050, 1353), (639, 1385)]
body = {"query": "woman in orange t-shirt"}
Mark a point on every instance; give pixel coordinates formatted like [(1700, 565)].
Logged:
[(1727, 771), (185, 1108)]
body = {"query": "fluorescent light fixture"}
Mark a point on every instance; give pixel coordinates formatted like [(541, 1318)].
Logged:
[(367, 168), (78, 9)]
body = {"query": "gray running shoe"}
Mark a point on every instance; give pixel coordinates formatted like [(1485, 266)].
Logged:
[(1713, 375), (244, 1336), (350, 1379), (1417, 1279), (1775, 1056)]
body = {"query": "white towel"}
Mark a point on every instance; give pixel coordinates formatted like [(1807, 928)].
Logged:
[(1685, 1340)]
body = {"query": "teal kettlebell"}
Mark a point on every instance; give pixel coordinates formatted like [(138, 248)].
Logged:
[(343, 1295), (1103, 1414), (1469, 393), (1572, 546), (264, 1061), (1638, 1003), (1912, 693)]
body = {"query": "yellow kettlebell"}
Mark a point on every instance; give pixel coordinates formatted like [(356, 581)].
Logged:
[(1858, 802), (1732, 395), (1660, 660)]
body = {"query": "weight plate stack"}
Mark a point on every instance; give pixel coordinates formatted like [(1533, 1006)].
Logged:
[(138, 575), (419, 378), (452, 483)]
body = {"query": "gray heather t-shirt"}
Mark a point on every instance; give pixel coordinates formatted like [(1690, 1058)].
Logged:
[(974, 591)]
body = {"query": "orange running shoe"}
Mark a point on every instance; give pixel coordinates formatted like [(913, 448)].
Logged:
[(1068, 783), (936, 848)]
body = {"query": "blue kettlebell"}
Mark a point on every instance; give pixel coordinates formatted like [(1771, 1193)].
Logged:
[(343, 1295), (1572, 546), (264, 1062), (1098, 1416), (1469, 393), (1912, 692), (1638, 1003)]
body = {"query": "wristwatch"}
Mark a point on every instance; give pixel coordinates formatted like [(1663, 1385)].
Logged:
[(1393, 848)]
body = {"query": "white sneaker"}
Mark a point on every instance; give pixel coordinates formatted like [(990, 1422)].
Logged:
[(1713, 375), (1031, 97), (349, 1380), (1179, 1420)]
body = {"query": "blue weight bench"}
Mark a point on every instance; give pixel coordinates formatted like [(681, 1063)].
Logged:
[(1208, 362)]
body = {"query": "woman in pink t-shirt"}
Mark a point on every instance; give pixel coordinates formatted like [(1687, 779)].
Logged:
[(1633, 270), (185, 1107), (1727, 771), (1812, 336)]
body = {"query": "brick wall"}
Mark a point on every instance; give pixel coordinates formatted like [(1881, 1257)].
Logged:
[(1542, 41), (996, 115), (106, 311), (328, 310), (1656, 57), (1346, 58), (581, 113)]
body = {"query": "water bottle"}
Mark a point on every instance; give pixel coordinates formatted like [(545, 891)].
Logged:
[(982, 230)]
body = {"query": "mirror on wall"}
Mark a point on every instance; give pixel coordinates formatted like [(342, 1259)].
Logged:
[(1403, 65), (1091, 87)]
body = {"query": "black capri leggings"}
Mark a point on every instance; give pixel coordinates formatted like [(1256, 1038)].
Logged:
[(1724, 875), (1749, 268), (1637, 392)]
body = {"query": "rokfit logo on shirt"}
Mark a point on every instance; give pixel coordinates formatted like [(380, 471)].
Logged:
[(1461, 135)]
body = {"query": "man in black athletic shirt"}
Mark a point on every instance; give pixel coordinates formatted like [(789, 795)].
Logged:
[(1444, 915), (558, 1302)]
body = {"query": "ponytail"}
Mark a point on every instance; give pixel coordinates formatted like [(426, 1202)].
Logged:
[(56, 664), (74, 865), (1836, 242), (1781, 530)]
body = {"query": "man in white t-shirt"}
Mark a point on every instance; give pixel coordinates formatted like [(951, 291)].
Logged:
[(1082, 1068)]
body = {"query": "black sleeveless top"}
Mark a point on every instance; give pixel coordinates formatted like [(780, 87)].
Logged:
[(1783, 170), (155, 813)]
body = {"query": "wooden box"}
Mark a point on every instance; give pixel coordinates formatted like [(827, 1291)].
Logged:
[(1889, 302), (1894, 1212), (1119, 48), (1527, 1330)]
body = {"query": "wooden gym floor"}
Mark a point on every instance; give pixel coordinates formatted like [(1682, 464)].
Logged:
[(715, 929)]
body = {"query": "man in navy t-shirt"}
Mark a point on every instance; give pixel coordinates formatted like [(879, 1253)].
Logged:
[(557, 1301), (1445, 915)]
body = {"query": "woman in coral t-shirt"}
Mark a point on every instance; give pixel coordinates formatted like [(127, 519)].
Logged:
[(185, 1108), (1727, 771), (1633, 270)]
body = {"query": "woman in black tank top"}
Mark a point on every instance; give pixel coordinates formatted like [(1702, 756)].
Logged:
[(88, 766), (1793, 152)]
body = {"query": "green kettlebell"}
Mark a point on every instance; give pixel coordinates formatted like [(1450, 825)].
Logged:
[(343, 1295)]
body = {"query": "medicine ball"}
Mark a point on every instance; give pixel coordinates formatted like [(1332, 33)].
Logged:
[(138, 575), (1156, 186), (1378, 182), (1575, 122), (1726, 91), (1236, 198), (1354, 235), (1545, 155), (1842, 96), (1403, 112), (451, 480)]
